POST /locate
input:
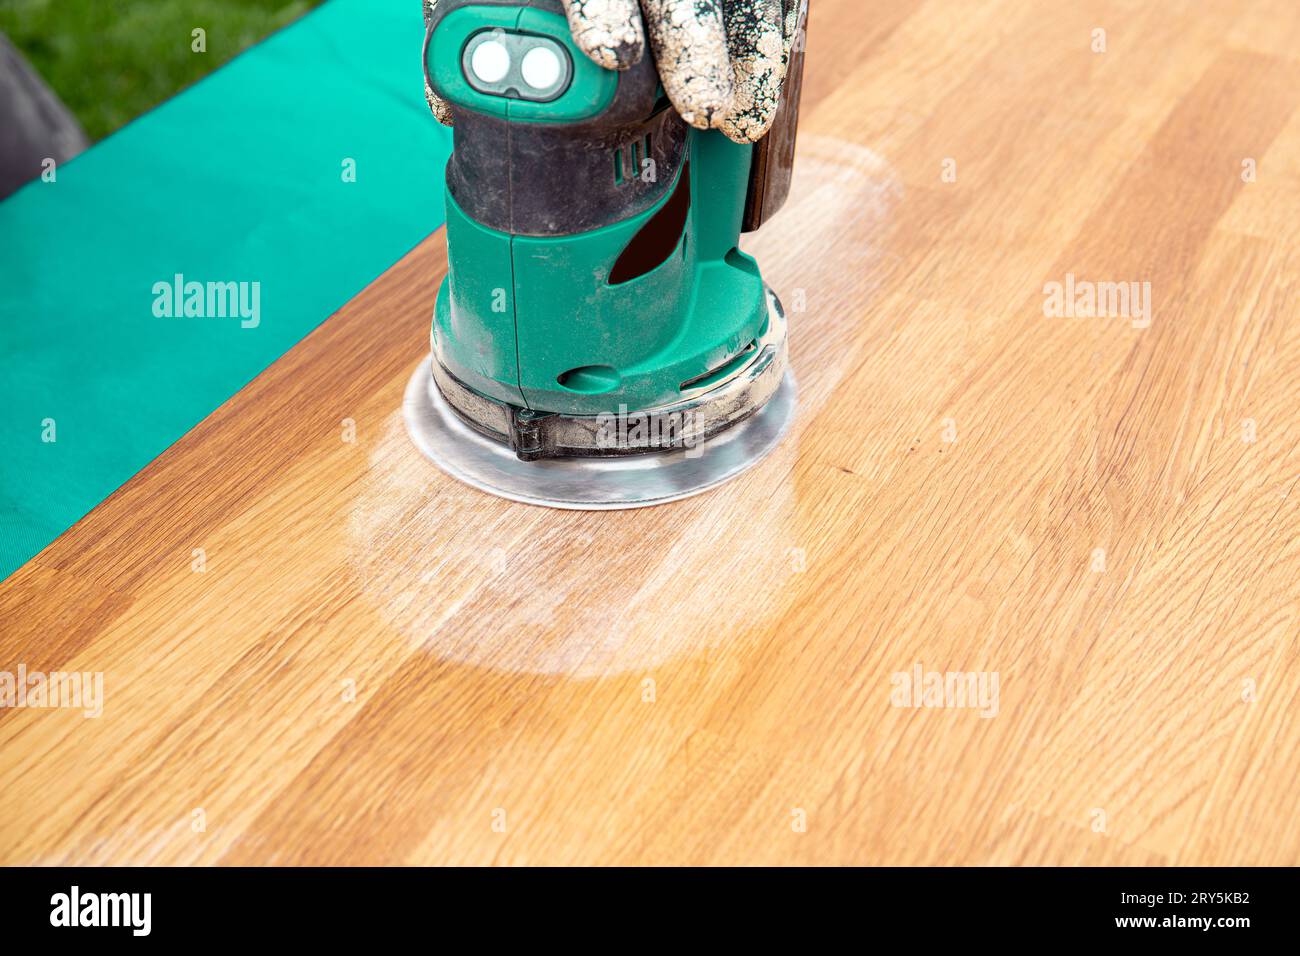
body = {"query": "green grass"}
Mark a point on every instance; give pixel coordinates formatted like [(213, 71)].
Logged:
[(111, 60)]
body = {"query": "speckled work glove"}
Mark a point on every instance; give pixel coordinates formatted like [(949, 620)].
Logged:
[(722, 62)]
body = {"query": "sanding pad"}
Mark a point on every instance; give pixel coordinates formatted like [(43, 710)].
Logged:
[(460, 440)]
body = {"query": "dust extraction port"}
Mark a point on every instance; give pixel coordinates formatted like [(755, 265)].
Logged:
[(590, 379)]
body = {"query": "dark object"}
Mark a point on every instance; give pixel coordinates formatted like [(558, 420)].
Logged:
[(658, 238), (773, 166), (35, 126)]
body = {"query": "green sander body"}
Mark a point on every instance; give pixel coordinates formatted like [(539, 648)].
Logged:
[(592, 238)]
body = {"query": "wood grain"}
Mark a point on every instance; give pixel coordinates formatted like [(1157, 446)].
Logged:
[(379, 665)]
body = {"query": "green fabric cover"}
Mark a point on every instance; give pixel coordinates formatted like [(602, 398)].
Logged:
[(237, 179)]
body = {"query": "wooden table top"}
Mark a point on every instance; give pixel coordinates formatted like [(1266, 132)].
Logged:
[(379, 665)]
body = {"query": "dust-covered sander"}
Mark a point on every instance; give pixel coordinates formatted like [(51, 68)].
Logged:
[(600, 341)]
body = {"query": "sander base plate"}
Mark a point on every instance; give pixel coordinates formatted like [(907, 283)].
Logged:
[(589, 484)]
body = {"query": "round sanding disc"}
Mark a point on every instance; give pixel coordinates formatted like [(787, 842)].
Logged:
[(589, 484)]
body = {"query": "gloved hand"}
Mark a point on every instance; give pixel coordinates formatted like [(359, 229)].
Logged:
[(722, 62)]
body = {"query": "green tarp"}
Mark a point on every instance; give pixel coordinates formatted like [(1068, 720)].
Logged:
[(242, 187)]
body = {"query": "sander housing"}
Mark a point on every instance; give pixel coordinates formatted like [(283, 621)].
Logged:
[(594, 274)]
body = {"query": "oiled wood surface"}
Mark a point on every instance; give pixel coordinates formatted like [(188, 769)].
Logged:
[(378, 665)]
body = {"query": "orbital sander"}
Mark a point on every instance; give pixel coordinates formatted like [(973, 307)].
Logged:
[(599, 341)]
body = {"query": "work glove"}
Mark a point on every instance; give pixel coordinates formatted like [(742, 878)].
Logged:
[(722, 62)]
